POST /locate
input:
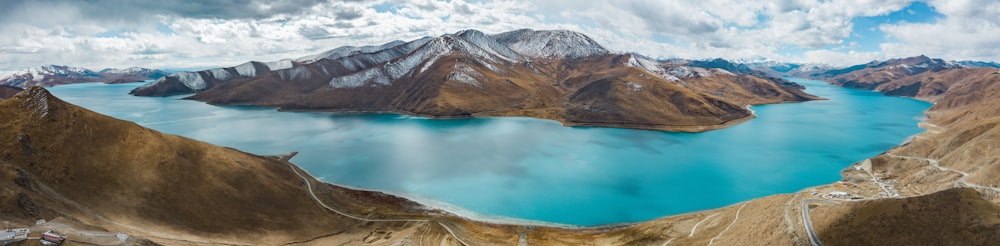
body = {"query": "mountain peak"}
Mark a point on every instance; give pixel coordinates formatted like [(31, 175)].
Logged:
[(724, 65), (470, 33), (551, 43), (36, 100)]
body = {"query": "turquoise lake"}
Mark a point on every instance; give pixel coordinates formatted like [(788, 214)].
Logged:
[(538, 170)]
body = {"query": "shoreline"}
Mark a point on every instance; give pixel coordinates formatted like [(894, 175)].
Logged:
[(466, 214), (499, 114), (451, 209)]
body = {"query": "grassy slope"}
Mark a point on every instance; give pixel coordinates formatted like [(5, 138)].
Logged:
[(129, 178)]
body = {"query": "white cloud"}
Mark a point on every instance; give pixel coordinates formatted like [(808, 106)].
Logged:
[(87, 35), (724, 28), (839, 58), (970, 30)]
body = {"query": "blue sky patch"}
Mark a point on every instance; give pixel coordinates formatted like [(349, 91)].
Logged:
[(867, 36), (386, 7)]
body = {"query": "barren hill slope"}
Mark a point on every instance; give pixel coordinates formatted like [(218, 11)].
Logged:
[(950, 217), (559, 75), (59, 160), (62, 160), (7, 91)]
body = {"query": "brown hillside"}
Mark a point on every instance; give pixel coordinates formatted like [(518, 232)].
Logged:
[(59, 160), (7, 91), (559, 75), (594, 91), (68, 161), (951, 217), (62, 161), (962, 134)]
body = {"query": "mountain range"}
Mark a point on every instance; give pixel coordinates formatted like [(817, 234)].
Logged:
[(80, 169), (53, 75), (559, 75)]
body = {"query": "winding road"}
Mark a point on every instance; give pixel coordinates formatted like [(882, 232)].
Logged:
[(730, 224), (316, 198), (934, 163), (695, 228), (807, 222)]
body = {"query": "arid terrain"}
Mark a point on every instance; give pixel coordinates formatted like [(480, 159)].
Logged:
[(76, 168), (7, 91), (558, 75)]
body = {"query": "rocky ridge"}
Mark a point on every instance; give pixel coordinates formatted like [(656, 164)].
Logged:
[(559, 75)]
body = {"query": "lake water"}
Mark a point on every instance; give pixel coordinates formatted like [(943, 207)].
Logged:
[(538, 170)]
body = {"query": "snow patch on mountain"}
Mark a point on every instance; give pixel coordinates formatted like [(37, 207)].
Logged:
[(220, 74), (39, 75), (465, 74), (633, 86), (470, 42), (392, 70), (550, 44), (36, 76), (191, 80), (486, 46), (246, 69), (682, 72), (644, 63), (717, 71), (429, 63), (294, 74), (125, 70), (491, 67), (359, 79), (36, 100), (650, 66), (279, 65), (348, 51)]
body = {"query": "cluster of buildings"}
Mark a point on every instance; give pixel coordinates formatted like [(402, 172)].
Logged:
[(50, 237), (888, 187), (13, 235), (837, 195)]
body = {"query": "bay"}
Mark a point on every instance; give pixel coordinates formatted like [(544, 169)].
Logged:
[(537, 169)]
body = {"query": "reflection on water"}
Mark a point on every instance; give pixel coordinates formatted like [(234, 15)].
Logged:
[(537, 169)]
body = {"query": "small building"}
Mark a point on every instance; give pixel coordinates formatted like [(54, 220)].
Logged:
[(840, 194), (52, 238)]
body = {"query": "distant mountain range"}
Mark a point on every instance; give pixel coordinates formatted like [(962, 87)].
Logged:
[(78, 169), (52, 75), (560, 75), (822, 72)]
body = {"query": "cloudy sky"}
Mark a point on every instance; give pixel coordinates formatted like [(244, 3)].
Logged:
[(190, 34)]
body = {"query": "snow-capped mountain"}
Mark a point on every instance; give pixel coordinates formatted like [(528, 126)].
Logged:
[(559, 75), (352, 66), (348, 50), (722, 64), (919, 77), (550, 44), (899, 77), (977, 64), (892, 68), (52, 75), (48, 75)]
